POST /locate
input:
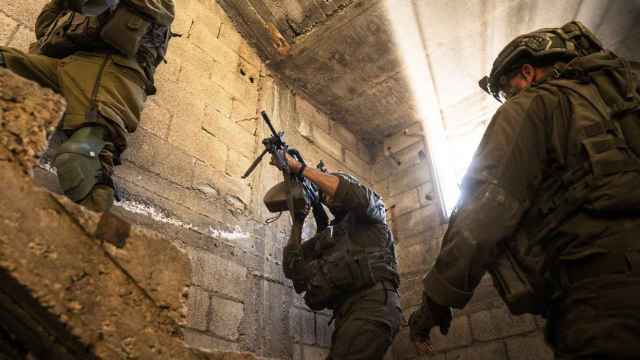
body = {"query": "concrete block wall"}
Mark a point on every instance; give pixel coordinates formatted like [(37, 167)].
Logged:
[(181, 176), (484, 329)]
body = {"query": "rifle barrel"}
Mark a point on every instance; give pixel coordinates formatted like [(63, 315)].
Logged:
[(268, 121)]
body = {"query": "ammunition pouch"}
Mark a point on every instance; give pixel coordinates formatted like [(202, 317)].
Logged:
[(334, 278), (71, 32), (125, 30), (78, 164), (512, 283)]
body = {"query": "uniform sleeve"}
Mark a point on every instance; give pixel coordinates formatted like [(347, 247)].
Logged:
[(361, 201), (497, 189)]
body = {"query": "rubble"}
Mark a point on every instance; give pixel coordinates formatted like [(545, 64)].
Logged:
[(64, 293)]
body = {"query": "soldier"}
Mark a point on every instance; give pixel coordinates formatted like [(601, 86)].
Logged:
[(551, 202), (100, 55), (349, 267)]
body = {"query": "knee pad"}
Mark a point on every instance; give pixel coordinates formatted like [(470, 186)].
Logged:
[(78, 164)]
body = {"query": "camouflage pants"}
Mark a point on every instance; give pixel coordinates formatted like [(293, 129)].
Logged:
[(119, 96), (598, 319), (110, 84), (366, 325)]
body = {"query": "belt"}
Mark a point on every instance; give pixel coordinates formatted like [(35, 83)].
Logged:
[(602, 265)]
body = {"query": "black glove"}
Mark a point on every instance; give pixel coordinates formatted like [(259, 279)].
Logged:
[(426, 317)]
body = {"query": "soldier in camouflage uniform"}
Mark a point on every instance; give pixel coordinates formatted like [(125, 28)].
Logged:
[(100, 55), (551, 202), (349, 267)]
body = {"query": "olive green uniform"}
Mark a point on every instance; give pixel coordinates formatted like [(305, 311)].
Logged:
[(350, 268), (102, 87), (554, 182)]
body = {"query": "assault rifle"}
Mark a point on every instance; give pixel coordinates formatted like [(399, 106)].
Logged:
[(296, 193)]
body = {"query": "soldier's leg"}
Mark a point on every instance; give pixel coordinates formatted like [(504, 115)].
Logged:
[(84, 167), (38, 68), (100, 102), (361, 339), (367, 329), (599, 319)]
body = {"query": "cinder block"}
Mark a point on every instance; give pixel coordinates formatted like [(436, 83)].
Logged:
[(426, 194), (230, 133), (403, 202), (297, 352), (173, 164), (324, 330), (247, 53), (529, 348), (307, 112), (205, 176), (7, 28), (411, 289), (485, 297), (160, 157), (181, 103), (217, 274), (364, 152), (178, 200), (423, 220), (229, 36), (275, 317), (459, 335), (493, 351), (186, 133), (155, 119), (360, 168), (22, 38), (237, 76), (237, 164), (403, 347), (409, 178), (327, 143), (418, 257), (167, 73), (208, 149), (302, 326), (499, 323), (404, 138), (225, 317), (382, 188), (245, 116), (314, 353), (24, 12), (344, 135), (197, 308), (201, 341)]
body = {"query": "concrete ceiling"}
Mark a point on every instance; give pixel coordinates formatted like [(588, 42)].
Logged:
[(342, 53)]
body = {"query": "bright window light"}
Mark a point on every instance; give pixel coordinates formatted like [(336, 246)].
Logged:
[(451, 150)]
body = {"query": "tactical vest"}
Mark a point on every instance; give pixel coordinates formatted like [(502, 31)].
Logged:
[(337, 268), (600, 92), (124, 30)]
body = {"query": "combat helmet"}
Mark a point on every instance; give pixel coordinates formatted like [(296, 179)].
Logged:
[(548, 44)]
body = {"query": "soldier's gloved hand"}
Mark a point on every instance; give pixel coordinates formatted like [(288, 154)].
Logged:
[(289, 160), (429, 314)]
